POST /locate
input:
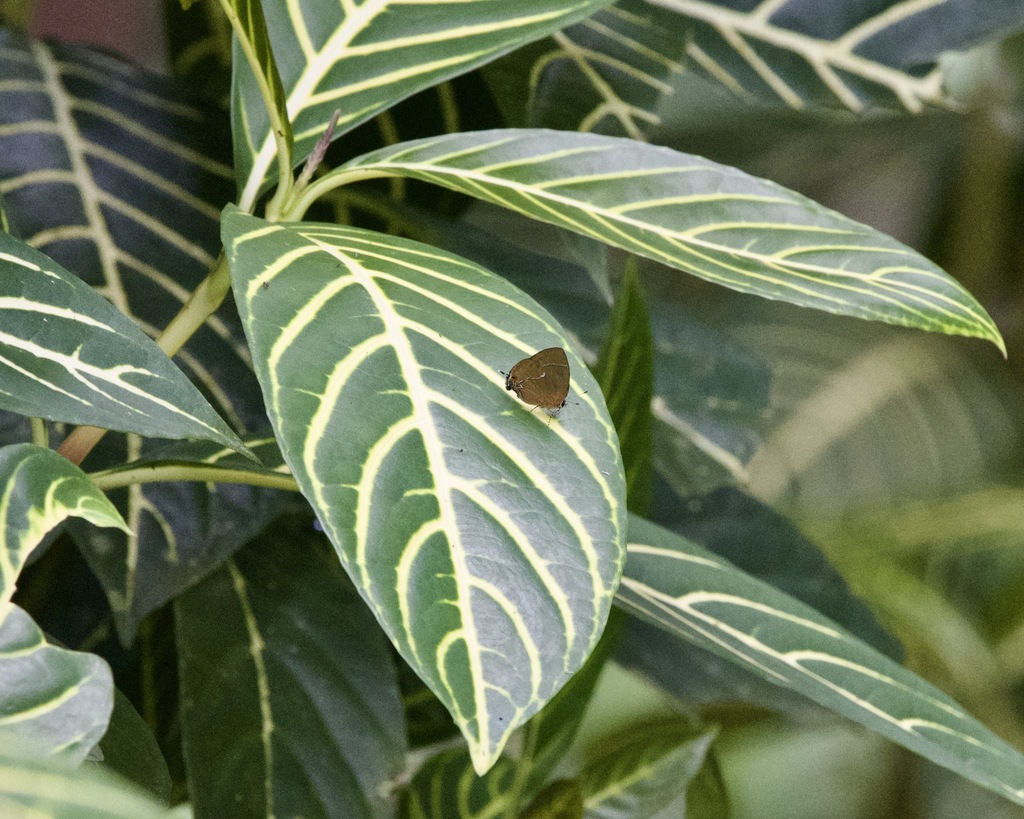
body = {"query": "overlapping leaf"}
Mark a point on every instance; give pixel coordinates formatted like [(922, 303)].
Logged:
[(700, 597), (31, 787), (362, 59), (710, 393), (485, 539), (846, 53), (311, 717), (606, 74), (644, 769), (119, 176), (66, 354), (447, 787), (59, 700), (710, 220), (183, 530), (848, 396)]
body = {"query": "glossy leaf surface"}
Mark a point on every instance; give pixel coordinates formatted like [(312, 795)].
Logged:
[(710, 220), (362, 59), (119, 175), (484, 536), (69, 355)]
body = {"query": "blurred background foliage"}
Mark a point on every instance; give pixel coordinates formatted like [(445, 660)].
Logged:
[(897, 453)]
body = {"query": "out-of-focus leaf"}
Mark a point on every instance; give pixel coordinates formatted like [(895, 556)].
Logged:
[(130, 749), (703, 599), (290, 702), (641, 770), (849, 396), (844, 53), (706, 796), (768, 546), (31, 788), (605, 74), (561, 799), (447, 787), (625, 373)]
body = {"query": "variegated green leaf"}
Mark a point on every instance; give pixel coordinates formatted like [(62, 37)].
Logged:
[(133, 176), (606, 74), (363, 58), (845, 52), (485, 537), (67, 354), (643, 768), (31, 788), (705, 600), (130, 749), (710, 220), (252, 48), (447, 787), (194, 504), (710, 393), (59, 700)]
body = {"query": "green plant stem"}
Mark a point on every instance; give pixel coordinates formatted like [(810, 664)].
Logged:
[(280, 129), (296, 207), (202, 304), (40, 434), (161, 472)]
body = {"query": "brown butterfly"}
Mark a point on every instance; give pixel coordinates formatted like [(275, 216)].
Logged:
[(541, 380)]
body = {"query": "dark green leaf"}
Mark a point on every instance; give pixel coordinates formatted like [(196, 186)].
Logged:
[(137, 215), (706, 797), (606, 74), (70, 356), (184, 529), (844, 53), (57, 699), (130, 749), (551, 732), (561, 799), (625, 372), (290, 703)]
